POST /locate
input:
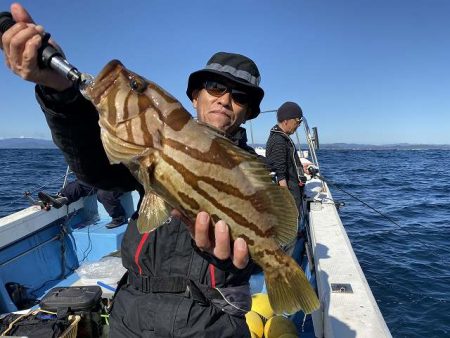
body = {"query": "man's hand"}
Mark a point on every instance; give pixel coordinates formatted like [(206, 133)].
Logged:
[(20, 46), (220, 246), (217, 242)]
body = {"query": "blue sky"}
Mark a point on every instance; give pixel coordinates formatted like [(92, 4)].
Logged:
[(364, 71)]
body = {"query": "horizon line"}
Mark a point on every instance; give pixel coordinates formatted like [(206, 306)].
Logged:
[(323, 143)]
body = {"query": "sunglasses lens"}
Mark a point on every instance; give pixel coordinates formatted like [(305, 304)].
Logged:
[(215, 88), (240, 98), (218, 89)]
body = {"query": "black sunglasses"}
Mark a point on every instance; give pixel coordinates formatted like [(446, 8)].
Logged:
[(218, 89)]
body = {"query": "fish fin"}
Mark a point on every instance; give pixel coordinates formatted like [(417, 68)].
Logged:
[(284, 209), (288, 288), (153, 212), (118, 150), (278, 202)]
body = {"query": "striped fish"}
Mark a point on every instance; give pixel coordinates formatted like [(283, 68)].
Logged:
[(189, 166)]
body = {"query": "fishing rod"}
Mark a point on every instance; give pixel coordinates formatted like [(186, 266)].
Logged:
[(314, 172), (27, 194), (50, 57)]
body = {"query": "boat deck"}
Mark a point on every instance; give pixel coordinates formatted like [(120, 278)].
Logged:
[(31, 256), (348, 308)]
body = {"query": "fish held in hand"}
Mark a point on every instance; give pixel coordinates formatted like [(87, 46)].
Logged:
[(186, 165)]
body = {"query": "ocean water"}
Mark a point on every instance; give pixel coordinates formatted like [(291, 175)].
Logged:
[(407, 265), (28, 170)]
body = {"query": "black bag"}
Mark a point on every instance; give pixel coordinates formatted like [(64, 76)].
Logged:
[(79, 300), (40, 325)]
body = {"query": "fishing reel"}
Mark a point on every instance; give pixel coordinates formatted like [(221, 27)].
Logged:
[(313, 171), (44, 206)]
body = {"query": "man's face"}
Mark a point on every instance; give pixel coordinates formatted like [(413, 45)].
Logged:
[(291, 125), (219, 111)]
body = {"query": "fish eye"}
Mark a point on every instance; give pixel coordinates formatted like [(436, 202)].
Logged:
[(137, 85)]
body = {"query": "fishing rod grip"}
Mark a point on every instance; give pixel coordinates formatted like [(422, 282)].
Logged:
[(45, 53), (6, 21), (48, 56)]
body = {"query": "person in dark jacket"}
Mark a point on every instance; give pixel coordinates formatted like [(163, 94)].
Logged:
[(74, 190), (281, 153), (172, 285)]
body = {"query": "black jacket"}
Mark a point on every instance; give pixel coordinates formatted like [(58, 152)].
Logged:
[(168, 251), (282, 158)]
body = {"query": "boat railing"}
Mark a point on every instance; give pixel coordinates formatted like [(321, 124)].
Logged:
[(312, 141)]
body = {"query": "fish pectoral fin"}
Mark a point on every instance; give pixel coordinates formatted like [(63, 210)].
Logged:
[(153, 212), (284, 209), (279, 202)]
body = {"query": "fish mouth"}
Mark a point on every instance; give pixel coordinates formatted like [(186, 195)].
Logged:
[(104, 80)]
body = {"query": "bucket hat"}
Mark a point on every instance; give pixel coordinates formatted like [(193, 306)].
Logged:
[(234, 68)]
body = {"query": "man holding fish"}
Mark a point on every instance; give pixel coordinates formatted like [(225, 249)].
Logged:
[(175, 286)]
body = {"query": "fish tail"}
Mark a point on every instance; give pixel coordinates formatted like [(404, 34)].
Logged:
[(288, 288)]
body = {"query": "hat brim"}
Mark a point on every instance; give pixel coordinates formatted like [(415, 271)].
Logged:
[(197, 78)]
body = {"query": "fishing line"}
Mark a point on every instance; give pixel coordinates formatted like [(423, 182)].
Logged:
[(67, 230), (47, 183), (89, 248), (64, 263), (432, 250), (361, 201)]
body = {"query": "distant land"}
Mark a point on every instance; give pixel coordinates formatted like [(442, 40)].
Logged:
[(355, 146), (34, 143), (26, 143)]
